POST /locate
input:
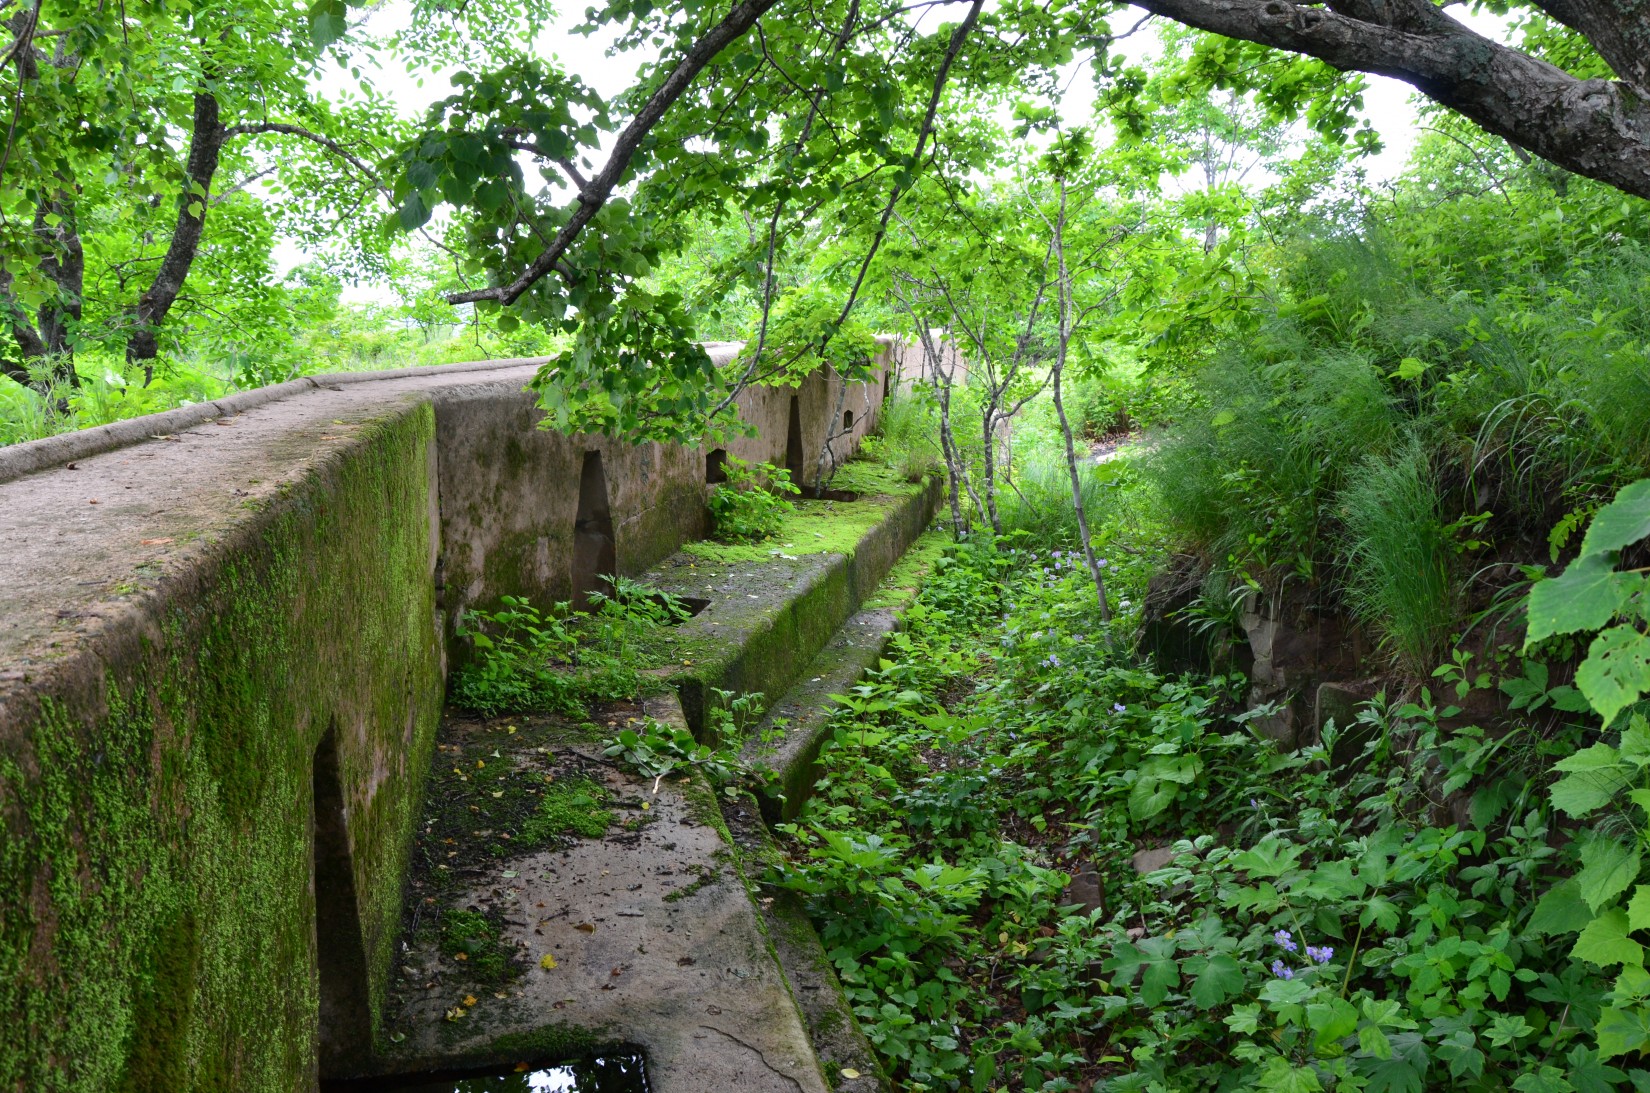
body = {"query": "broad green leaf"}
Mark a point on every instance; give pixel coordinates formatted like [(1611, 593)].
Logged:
[(1286, 1078), (1622, 522), (1589, 1074), (1622, 1030), (1597, 757), (1586, 596), (1221, 979), (1616, 672), (1549, 1079), (1579, 794), (1638, 909), (1605, 942), (1608, 867), (1561, 910), (1332, 1021)]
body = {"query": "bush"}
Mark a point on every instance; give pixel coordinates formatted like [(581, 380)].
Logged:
[(751, 505)]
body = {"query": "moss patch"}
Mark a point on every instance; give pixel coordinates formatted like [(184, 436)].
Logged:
[(474, 940), (904, 581), (569, 806)]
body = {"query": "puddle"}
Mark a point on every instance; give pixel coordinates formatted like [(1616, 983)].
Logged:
[(620, 1073)]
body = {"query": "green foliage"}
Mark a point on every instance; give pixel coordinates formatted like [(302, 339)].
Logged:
[(751, 505), (1593, 594), (904, 440), (1315, 925), (1400, 558), (570, 806), (475, 939), (524, 659), (659, 750)]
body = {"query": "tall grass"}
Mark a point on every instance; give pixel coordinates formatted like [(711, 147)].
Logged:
[(1398, 557), (906, 438)]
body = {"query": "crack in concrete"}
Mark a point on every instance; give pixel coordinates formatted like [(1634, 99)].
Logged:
[(758, 1053)]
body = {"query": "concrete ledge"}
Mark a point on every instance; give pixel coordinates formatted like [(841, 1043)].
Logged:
[(772, 611)]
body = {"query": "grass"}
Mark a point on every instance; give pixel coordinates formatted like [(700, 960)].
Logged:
[(1399, 558)]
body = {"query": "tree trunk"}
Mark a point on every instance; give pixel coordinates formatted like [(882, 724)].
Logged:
[(205, 146)]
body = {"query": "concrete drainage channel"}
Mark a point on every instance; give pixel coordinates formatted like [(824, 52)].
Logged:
[(643, 946)]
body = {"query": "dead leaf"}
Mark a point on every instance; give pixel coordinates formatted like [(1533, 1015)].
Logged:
[(469, 999), (461, 956), (547, 962), (154, 542), (587, 927), (849, 1072)]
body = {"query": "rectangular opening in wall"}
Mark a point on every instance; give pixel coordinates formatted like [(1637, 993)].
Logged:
[(345, 1034), (793, 444), (716, 466), (593, 548), (847, 420)]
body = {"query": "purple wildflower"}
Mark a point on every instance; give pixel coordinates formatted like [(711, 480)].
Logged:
[(1320, 955), (1118, 707), (1282, 970), (1052, 661), (1286, 940)]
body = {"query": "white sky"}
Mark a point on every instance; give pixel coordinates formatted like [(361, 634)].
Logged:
[(1388, 103)]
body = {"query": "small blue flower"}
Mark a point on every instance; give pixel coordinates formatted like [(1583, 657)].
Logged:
[(1286, 940), (1052, 661), (1282, 970), (1320, 955), (1254, 804), (1101, 563), (1118, 707)]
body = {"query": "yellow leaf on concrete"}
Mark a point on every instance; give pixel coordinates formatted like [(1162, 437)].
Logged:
[(547, 962)]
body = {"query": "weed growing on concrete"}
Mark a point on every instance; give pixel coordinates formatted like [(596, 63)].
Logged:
[(751, 505), (570, 806)]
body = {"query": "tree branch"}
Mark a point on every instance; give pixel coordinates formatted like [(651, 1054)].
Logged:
[(1596, 128), (592, 197)]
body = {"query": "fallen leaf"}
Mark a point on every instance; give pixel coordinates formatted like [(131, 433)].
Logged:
[(469, 999), (456, 1012), (587, 927), (519, 1066), (547, 962), (498, 793), (480, 764), (93, 501), (154, 542), (644, 806), (511, 729), (849, 1072), (461, 956)]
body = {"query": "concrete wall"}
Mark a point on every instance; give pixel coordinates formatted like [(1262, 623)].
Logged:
[(222, 655)]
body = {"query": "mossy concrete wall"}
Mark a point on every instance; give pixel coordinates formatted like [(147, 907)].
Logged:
[(191, 603)]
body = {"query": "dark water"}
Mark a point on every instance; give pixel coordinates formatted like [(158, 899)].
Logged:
[(614, 1073)]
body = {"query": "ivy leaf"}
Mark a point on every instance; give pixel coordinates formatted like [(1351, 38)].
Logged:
[(1586, 596), (1605, 942), (1220, 979), (1616, 672), (1608, 866), (1622, 522)]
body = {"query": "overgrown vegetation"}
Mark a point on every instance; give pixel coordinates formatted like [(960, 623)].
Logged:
[(751, 505)]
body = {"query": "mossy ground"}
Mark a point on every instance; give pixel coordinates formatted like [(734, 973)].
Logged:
[(904, 581)]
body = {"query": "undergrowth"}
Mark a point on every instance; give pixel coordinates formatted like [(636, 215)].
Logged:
[(1365, 913)]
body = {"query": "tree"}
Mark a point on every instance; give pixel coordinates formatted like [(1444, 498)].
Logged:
[(1594, 121), (122, 130)]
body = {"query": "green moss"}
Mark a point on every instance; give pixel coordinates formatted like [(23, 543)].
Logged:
[(570, 806), (904, 581), (553, 1043), (476, 940), (157, 819)]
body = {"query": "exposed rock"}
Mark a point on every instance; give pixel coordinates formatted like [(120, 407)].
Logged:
[(1153, 858)]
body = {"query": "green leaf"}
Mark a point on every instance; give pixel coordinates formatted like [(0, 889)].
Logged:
[(1622, 1030), (1411, 368), (1549, 1079), (1579, 794), (1638, 909), (1589, 1074), (1560, 911), (1608, 867), (1605, 942), (1616, 672), (1281, 1075), (1586, 596), (1622, 522), (1220, 979)]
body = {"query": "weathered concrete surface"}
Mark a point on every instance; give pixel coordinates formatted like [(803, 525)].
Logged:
[(654, 941), (192, 604), (771, 611)]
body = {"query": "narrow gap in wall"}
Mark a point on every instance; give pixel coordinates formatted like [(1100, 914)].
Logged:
[(793, 444), (847, 419), (887, 382), (716, 466), (345, 1034), (593, 555)]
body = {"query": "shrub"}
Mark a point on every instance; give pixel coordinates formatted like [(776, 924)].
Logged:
[(751, 505)]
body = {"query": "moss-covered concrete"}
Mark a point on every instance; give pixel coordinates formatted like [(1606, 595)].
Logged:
[(775, 605), (157, 930)]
